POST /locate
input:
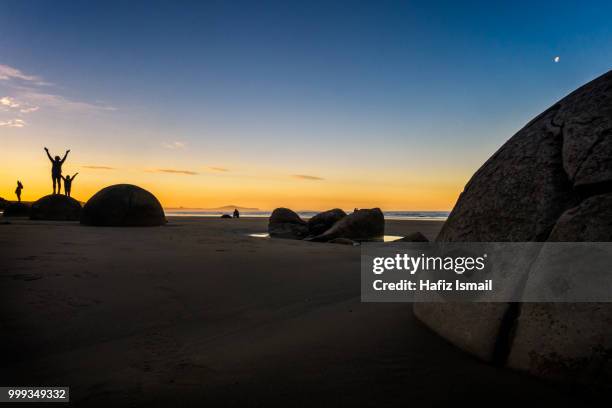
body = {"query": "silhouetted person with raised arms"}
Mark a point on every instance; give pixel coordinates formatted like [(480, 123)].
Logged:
[(56, 170), (68, 183), (18, 190), (236, 213)]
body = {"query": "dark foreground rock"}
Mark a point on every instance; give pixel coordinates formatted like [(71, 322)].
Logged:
[(123, 205), (285, 223), (324, 221), (361, 225), (3, 203), (344, 241), (17, 209), (413, 237), (56, 207), (549, 182)]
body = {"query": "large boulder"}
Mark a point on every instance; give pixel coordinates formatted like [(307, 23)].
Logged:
[(568, 340), (123, 205), (285, 223), (17, 209), (57, 207), (546, 183), (323, 221), (361, 225)]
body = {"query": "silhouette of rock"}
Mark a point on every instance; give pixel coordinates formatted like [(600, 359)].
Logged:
[(17, 209), (284, 223), (123, 205), (548, 182), (226, 216), (3, 203), (324, 221), (56, 207), (413, 237), (361, 225)]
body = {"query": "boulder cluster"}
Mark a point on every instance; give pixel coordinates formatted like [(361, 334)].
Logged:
[(552, 181), (329, 226), (120, 205)]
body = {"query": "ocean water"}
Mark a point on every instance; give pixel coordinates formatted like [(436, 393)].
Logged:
[(389, 215)]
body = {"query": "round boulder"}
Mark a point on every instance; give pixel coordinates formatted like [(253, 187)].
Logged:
[(56, 207), (123, 205), (285, 223), (549, 182), (360, 225), (17, 209), (323, 221)]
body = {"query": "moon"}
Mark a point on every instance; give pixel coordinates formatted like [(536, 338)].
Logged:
[(557, 59)]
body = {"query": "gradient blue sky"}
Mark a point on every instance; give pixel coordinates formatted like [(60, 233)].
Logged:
[(389, 103)]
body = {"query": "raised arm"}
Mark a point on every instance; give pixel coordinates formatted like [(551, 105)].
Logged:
[(66, 155), (48, 155), (73, 177)]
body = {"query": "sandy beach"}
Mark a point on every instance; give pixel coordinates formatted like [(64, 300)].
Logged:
[(199, 312)]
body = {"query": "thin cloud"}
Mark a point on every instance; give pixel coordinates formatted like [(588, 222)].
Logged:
[(29, 110), (306, 177), (59, 102), (175, 171), (28, 97), (13, 123), (220, 169), (8, 72), (174, 145), (7, 103), (98, 167)]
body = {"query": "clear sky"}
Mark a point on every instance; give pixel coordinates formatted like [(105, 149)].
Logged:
[(303, 104)]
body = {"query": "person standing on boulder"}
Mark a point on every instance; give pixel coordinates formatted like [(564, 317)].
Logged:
[(18, 190), (68, 183), (56, 170)]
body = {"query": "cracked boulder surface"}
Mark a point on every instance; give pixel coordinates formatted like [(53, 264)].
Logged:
[(123, 205), (549, 182)]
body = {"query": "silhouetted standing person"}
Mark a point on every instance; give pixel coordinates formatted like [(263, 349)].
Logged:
[(236, 213), (56, 170), (68, 183), (18, 190)]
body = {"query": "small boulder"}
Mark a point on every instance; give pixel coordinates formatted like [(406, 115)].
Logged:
[(56, 207), (285, 223), (361, 225), (17, 209), (123, 205), (226, 216), (324, 221), (413, 237)]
